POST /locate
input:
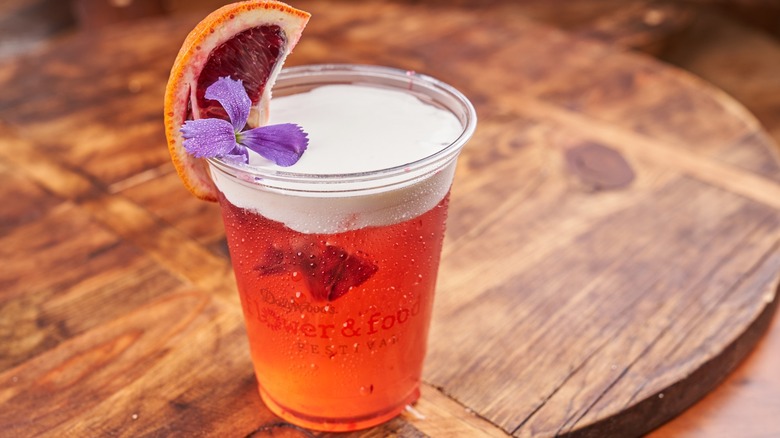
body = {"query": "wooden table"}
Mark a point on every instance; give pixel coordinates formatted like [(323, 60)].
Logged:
[(612, 248)]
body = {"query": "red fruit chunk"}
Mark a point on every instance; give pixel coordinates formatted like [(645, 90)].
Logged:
[(355, 270), (272, 262), (321, 269), (336, 272), (329, 270)]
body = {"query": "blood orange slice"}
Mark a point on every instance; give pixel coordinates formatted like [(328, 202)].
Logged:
[(247, 40)]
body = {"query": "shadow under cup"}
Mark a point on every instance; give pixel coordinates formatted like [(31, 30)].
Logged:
[(337, 272)]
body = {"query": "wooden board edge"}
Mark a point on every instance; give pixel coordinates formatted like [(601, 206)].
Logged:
[(635, 420)]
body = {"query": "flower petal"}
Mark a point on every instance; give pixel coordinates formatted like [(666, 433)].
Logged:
[(239, 155), (233, 97), (283, 144), (206, 138)]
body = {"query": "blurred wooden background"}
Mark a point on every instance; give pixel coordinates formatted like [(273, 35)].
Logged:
[(733, 44)]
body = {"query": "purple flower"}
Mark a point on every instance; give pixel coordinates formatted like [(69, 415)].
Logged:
[(208, 138)]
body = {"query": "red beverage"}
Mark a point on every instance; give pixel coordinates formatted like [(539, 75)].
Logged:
[(337, 323), (336, 257)]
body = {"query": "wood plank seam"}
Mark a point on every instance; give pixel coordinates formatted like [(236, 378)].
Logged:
[(497, 212), (760, 262), (573, 372), (516, 430), (122, 216), (582, 363), (665, 153), (703, 315), (669, 217), (140, 178), (107, 206), (467, 425), (733, 352)]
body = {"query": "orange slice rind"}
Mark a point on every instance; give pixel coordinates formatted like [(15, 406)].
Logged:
[(181, 102)]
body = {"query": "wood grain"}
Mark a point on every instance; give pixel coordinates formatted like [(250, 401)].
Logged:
[(612, 248)]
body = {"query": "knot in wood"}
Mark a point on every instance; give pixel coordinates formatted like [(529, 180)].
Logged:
[(599, 167)]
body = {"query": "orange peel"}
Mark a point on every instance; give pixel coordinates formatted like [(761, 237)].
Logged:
[(217, 29)]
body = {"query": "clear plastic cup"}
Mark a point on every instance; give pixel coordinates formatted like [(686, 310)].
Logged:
[(337, 272)]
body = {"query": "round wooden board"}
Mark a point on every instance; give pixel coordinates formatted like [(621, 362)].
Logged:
[(611, 252)]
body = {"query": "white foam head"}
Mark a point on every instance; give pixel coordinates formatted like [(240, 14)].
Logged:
[(380, 150)]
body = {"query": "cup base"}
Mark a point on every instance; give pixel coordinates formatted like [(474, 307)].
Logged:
[(331, 424)]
